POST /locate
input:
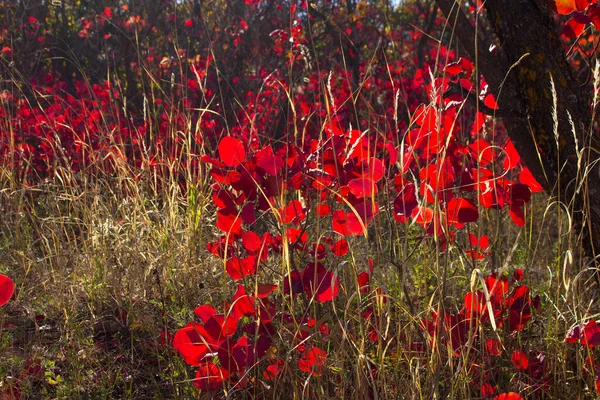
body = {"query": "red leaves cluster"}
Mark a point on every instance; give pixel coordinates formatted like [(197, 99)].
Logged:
[(237, 347), (509, 304), (509, 308), (588, 335), (318, 283)]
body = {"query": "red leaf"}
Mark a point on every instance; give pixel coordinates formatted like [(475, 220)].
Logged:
[(593, 12), (210, 377), (461, 211), (475, 303), (422, 215), (238, 268), (566, 7), (236, 357), (191, 344), (496, 286), (320, 283), (574, 334), (362, 187), (220, 326), (518, 274), (518, 194), (512, 156), (363, 282), (494, 347), (312, 361), (405, 203), (7, 288), (591, 334), (270, 163), (274, 369), (517, 215), (490, 102), (525, 177), (484, 151), (204, 312), (519, 360), (482, 242), (376, 169), (573, 27), (292, 283), (231, 151), (340, 248), (487, 390), (322, 210), (242, 305), (264, 290), (229, 222), (293, 213), (519, 307), (508, 396), (251, 241), (339, 223)]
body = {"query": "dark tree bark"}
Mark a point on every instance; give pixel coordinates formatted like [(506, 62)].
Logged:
[(545, 110)]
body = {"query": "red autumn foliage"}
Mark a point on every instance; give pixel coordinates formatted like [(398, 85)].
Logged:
[(437, 167)]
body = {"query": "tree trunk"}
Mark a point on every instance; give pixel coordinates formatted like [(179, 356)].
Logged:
[(546, 112)]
